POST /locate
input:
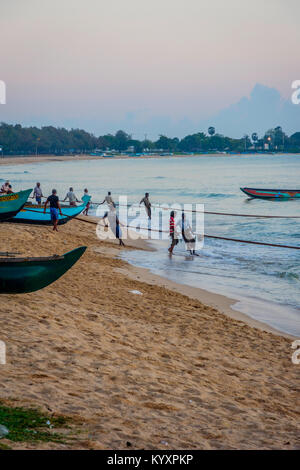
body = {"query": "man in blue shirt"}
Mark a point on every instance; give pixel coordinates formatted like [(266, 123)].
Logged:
[(54, 208)]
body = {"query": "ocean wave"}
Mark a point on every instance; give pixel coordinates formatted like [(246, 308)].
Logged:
[(288, 275), (223, 195), (205, 195)]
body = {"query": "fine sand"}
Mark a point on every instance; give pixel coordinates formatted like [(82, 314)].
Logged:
[(160, 370)]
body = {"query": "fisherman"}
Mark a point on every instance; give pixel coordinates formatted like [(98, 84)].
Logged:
[(53, 200), (114, 224), (5, 187), (109, 201), (173, 232), (38, 194), (119, 232), (187, 235), (71, 196), (147, 204), (84, 197), (105, 219)]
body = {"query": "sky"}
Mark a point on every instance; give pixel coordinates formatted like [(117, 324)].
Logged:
[(147, 66)]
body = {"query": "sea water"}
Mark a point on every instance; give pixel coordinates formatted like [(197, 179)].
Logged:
[(265, 281)]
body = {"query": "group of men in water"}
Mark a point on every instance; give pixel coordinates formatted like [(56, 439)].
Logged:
[(175, 229)]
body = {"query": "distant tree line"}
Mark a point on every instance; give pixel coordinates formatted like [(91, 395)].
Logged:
[(17, 140)]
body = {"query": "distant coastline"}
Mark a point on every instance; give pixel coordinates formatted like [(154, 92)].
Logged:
[(29, 159), (19, 140)]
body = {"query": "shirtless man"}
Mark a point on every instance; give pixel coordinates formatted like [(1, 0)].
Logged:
[(147, 204)]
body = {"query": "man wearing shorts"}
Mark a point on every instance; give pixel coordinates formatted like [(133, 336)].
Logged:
[(54, 208), (173, 232), (38, 194)]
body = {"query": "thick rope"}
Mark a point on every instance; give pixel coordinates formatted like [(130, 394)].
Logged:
[(205, 235), (253, 243), (214, 213)]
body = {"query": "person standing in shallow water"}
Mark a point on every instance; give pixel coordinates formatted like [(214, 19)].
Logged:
[(86, 210), (55, 208), (114, 224), (147, 204), (109, 201), (173, 233), (187, 235)]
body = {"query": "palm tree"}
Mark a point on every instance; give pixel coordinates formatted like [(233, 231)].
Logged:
[(246, 141), (211, 131), (254, 137), (279, 137)]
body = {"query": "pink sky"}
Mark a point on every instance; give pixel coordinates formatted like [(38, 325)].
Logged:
[(101, 65)]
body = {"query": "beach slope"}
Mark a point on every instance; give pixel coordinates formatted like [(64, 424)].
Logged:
[(159, 370)]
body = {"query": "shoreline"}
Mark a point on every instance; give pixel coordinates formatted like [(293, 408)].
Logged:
[(221, 302), (22, 160), (224, 306)]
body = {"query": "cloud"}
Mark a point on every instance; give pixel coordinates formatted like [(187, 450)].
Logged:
[(262, 110)]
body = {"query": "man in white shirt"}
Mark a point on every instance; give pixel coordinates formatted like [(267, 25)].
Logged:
[(109, 201), (38, 194), (71, 196)]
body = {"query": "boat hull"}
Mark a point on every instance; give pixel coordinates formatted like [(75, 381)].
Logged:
[(35, 215), (11, 204), (272, 193), (21, 275)]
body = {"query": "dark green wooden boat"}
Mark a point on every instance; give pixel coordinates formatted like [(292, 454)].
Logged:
[(21, 275)]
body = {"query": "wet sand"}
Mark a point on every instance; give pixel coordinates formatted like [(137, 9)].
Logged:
[(161, 370)]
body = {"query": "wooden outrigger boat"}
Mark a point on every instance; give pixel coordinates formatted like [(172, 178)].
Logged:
[(272, 193), (21, 275), (33, 214), (11, 204)]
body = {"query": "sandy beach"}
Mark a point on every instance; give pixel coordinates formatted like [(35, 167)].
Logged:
[(160, 370), (22, 160)]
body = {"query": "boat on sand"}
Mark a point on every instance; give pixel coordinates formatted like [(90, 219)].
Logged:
[(34, 214), (11, 204), (21, 275)]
